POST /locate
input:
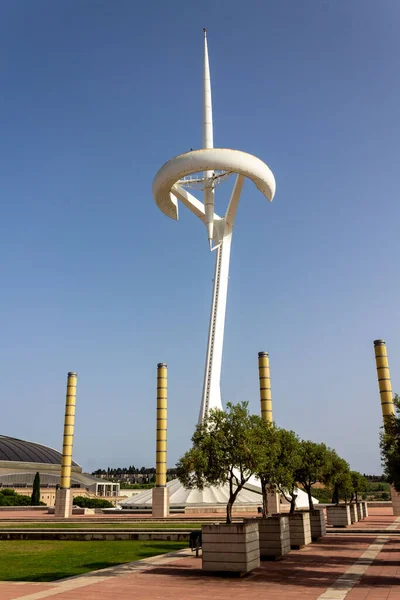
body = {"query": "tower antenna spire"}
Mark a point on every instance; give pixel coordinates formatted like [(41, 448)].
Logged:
[(208, 142)]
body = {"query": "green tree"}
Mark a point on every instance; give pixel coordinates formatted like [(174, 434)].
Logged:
[(314, 466), (35, 498), (287, 464), (344, 486), (337, 476), (390, 445), (359, 484), (223, 452), (266, 457)]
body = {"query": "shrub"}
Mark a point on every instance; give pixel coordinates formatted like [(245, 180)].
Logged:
[(83, 502), (11, 498)]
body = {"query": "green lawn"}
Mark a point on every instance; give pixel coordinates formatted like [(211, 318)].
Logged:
[(130, 525), (48, 560)]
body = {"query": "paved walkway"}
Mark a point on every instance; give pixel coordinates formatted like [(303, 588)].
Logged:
[(340, 566)]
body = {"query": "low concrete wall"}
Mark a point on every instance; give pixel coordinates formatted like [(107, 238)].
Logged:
[(360, 511), (142, 510), (365, 507), (96, 536), (300, 529), (23, 508), (75, 511), (218, 508), (234, 547)]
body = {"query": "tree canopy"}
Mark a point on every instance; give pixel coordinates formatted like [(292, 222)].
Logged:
[(314, 466), (359, 484), (288, 461), (228, 447), (267, 458), (390, 445), (225, 449), (338, 477)]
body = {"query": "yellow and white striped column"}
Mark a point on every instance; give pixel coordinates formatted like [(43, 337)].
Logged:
[(386, 394), (160, 495), (384, 382), (69, 427), (273, 498), (63, 506), (161, 452), (265, 386)]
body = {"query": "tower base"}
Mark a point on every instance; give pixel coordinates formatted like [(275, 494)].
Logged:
[(63, 506), (160, 502)]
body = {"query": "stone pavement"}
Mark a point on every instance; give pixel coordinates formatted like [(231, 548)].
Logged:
[(340, 566), (379, 518)]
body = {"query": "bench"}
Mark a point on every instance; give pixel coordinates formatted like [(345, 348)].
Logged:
[(195, 541)]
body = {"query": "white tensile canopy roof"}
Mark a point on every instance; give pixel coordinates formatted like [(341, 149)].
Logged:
[(181, 497)]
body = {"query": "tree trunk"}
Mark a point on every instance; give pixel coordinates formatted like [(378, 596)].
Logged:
[(265, 499), (232, 497), (293, 503), (230, 502), (310, 502), (229, 511), (335, 495)]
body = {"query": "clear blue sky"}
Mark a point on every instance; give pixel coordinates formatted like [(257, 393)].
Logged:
[(95, 97)]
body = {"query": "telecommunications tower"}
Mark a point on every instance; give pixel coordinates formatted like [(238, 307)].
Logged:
[(205, 169)]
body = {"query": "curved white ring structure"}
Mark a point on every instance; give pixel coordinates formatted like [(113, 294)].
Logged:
[(209, 159)]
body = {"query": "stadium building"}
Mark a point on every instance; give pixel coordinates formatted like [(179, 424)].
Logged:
[(21, 460)]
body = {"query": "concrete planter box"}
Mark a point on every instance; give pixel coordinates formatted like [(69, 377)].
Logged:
[(234, 548), (274, 536), (300, 529), (318, 525), (360, 511), (365, 508), (353, 513), (338, 516)]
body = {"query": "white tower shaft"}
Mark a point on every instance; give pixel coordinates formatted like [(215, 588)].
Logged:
[(212, 375)]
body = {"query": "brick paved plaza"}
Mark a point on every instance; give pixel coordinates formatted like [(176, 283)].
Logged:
[(347, 565)]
